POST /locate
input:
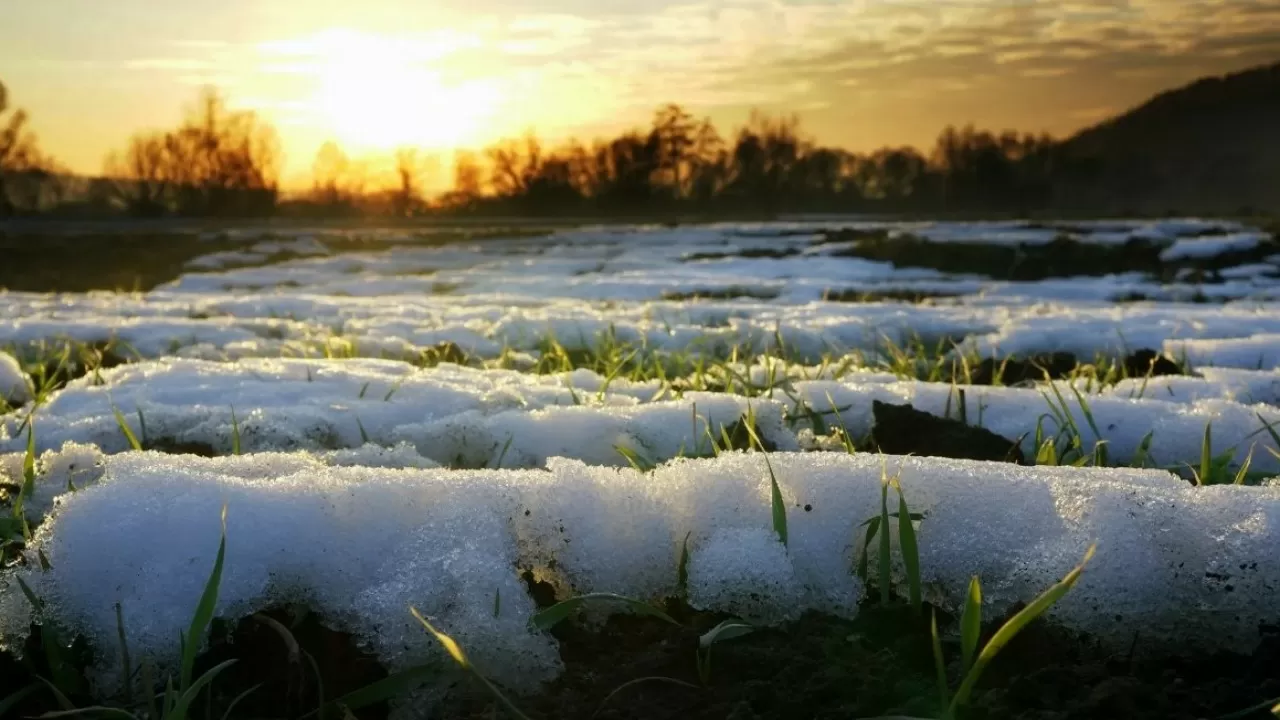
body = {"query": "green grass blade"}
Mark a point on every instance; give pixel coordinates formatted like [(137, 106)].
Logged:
[(12, 699), (503, 455), (1271, 430), (633, 458), (939, 664), (885, 565), (861, 568), (226, 715), (129, 437), (1099, 442), (60, 667), (29, 459), (844, 431), (1016, 624), (63, 701), (970, 624), (235, 433), (1243, 473), (183, 704), (1143, 453), (910, 551), (552, 616), (777, 505), (125, 660), (36, 602), (459, 656), (364, 436), (97, 711), (640, 681), (726, 630), (682, 568), (204, 610), (1206, 457), (388, 688)]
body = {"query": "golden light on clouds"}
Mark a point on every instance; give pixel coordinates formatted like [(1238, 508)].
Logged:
[(380, 74), (375, 92)]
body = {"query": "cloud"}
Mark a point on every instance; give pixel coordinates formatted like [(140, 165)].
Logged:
[(911, 63), (166, 64)]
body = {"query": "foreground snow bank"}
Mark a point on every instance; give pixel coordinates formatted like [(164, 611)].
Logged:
[(1187, 568)]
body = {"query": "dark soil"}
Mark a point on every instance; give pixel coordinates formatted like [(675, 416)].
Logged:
[(1058, 365), (728, 293), (140, 256), (880, 663), (903, 430), (59, 263), (1063, 257), (876, 665), (747, 253), (1144, 362), (1014, 370), (323, 664), (868, 296)]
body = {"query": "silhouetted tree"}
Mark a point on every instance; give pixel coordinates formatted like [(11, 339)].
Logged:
[(218, 162), (29, 181), (337, 182), (407, 197)]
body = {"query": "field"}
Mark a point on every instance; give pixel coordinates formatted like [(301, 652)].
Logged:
[(813, 469)]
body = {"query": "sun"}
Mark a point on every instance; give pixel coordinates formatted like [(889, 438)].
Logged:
[(378, 93)]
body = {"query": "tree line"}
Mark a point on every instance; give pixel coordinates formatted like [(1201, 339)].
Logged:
[(224, 162)]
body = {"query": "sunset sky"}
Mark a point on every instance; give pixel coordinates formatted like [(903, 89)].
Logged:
[(376, 74)]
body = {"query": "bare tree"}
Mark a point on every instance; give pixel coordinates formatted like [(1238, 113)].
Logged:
[(337, 182), (29, 181), (411, 167), (218, 162)]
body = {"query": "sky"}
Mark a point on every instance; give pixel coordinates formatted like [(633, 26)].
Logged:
[(438, 74)]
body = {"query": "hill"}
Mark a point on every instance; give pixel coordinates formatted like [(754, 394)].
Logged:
[(1210, 146)]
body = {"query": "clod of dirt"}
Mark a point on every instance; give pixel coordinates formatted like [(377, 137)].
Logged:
[(1143, 362), (746, 253), (729, 293), (903, 430), (1014, 371), (916, 297)]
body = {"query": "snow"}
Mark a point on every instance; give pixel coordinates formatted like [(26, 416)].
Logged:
[(374, 478), (15, 387), (1259, 350), (1206, 247), (453, 415), (1177, 428), (360, 545)]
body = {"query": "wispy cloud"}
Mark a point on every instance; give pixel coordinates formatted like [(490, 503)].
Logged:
[(917, 63)]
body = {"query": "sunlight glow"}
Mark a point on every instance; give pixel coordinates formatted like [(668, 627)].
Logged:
[(377, 93)]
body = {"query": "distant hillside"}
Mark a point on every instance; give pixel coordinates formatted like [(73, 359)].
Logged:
[(1211, 146)]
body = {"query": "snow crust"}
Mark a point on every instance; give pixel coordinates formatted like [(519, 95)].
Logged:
[(453, 415), (1176, 429), (1188, 567), (15, 387)]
